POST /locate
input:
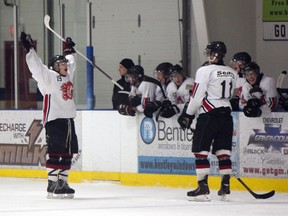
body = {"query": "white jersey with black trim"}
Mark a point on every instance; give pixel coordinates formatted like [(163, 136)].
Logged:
[(180, 95), (214, 86), (147, 91), (268, 86), (159, 93), (239, 85), (57, 90)]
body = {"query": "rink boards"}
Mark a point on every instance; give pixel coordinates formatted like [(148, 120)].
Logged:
[(143, 151)]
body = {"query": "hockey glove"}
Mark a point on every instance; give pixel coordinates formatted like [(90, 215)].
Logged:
[(254, 103), (68, 46), (283, 97), (125, 109), (252, 109), (235, 103), (256, 92), (283, 102), (168, 109), (185, 120), (252, 112), (151, 107), (135, 101), (26, 41)]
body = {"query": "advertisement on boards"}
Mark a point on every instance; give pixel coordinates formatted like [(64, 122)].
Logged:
[(23, 142), (165, 148), (264, 146)]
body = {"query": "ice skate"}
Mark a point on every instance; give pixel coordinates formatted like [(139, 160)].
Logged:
[(59, 190), (54, 190), (201, 194), (69, 192), (224, 191)]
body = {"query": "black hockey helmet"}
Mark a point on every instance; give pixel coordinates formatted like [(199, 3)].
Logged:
[(136, 72), (216, 47), (175, 69), (241, 56), (252, 66), (163, 68), (53, 63)]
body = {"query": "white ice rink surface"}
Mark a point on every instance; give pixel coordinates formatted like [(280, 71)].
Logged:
[(28, 197)]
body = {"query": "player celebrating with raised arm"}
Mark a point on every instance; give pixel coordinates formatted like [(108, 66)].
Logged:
[(56, 86), (214, 85)]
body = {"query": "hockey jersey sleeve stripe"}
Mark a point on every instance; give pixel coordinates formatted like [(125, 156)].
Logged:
[(272, 103), (46, 108), (194, 89), (207, 106)]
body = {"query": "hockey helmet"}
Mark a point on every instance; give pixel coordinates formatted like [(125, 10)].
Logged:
[(241, 56), (175, 69), (163, 68), (135, 74), (53, 63), (217, 47), (252, 67)]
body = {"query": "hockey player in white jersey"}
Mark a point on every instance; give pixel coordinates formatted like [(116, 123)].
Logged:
[(143, 91), (161, 73), (238, 63), (213, 88), (178, 90), (56, 85), (176, 96), (259, 94)]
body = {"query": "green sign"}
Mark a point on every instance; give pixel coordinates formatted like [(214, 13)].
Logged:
[(275, 10)]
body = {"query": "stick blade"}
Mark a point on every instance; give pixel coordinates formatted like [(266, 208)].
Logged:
[(255, 195), (265, 195)]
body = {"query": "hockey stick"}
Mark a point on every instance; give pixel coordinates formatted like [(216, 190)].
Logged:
[(283, 92), (46, 22), (279, 83), (255, 195), (280, 79), (128, 93), (77, 156)]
